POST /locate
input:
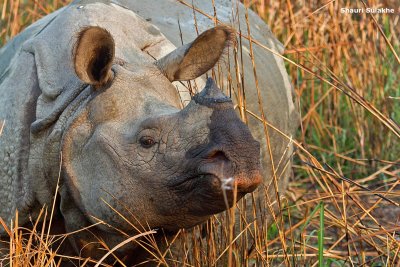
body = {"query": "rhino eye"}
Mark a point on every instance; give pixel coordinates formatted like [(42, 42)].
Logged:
[(147, 142)]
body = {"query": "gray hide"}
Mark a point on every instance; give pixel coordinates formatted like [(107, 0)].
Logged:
[(34, 109)]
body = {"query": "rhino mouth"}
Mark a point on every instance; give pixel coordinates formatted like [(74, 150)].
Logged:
[(208, 193)]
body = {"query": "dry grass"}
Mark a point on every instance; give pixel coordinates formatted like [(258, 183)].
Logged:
[(342, 207)]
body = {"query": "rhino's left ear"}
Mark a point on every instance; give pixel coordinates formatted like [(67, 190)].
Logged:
[(93, 55), (192, 60)]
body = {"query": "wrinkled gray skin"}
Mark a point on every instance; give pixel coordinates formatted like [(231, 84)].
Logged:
[(116, 126)]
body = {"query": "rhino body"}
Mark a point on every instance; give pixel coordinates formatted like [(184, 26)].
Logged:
[(49, 110)]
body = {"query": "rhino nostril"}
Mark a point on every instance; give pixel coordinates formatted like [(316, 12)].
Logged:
[(216, 162), (217, 155)]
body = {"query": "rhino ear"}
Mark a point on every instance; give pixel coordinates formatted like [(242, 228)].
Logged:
[(93, 55), (192, 60)]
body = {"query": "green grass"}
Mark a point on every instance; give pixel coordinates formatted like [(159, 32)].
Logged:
[(321, 262)]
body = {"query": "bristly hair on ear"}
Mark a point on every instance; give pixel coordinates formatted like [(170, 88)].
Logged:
[(231, 42)]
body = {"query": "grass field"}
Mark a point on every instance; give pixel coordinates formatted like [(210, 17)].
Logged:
[(342, 206)]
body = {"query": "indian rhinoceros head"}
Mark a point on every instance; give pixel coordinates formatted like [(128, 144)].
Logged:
[(134, 149)]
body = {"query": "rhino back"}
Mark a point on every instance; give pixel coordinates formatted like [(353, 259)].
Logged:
[(12, 48)]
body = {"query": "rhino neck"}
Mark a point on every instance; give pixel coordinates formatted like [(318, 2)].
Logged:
[(45, 154)]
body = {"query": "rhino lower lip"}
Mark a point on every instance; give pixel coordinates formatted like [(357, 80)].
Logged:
[(217, 183), (189, 179)]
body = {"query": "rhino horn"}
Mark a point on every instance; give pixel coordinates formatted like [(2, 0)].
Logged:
[(211, 95), (194, 59)]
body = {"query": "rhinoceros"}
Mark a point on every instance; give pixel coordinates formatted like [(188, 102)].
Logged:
[(92, 99)]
